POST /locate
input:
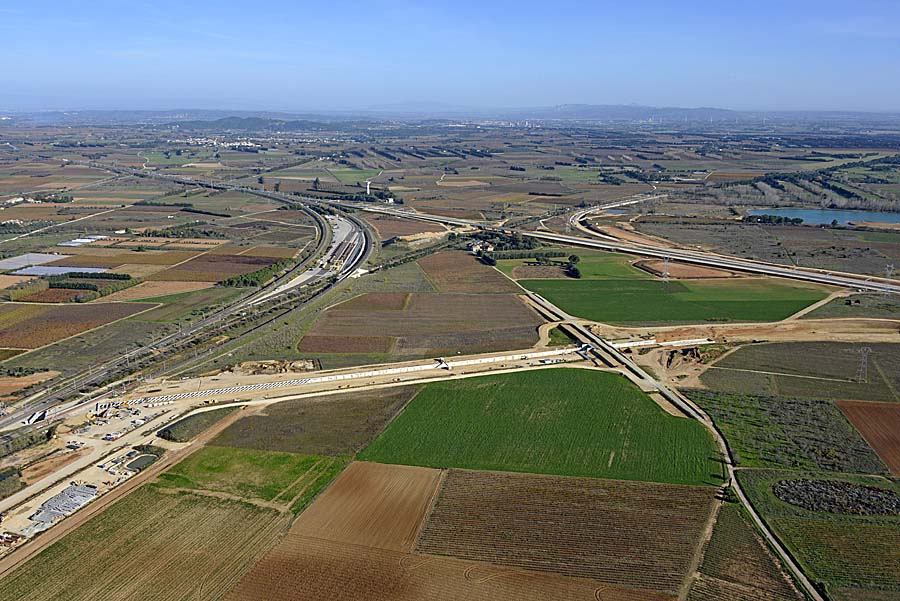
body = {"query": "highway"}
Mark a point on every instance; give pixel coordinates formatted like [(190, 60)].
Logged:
[(846, 280), (609, 354), (354, 245)]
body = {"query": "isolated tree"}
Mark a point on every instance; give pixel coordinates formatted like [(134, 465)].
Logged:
[(316, 184), (573, 259)]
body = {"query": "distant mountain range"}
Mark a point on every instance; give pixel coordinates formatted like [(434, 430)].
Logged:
[(224, 120)]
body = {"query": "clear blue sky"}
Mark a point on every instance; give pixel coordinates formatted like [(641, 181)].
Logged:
[(790, 54)]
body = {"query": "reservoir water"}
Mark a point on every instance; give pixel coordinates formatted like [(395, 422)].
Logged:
[(826, 216)]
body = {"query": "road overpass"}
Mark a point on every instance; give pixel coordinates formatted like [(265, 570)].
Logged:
[(833, 278)]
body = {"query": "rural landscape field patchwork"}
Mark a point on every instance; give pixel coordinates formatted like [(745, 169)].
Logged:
[(580, 352)]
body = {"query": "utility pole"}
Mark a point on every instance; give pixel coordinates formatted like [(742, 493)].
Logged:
[(665, 273)]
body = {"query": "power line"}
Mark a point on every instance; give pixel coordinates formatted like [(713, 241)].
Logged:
[(862, 370)]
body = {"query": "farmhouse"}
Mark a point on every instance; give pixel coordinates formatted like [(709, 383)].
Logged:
[(477, 246)]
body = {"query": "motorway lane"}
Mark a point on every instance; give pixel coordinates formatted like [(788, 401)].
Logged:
[(846, 280), (348, 229)]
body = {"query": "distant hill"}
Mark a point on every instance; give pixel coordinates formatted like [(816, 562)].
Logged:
[(630, 112), (251, 124)]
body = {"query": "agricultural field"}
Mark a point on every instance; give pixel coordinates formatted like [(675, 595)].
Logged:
[(852, 556), (187, 428), (612, 290), (374, 505), (581, 527), (822, 248), (779, 432), (572, 422), (389, 227), (181, 536), (31, 326), (213, 267), (310, 568), (879, 424), (414, 325), (859, 305), (185, 305), (785, 369), (146, 290), (270, 477), (460, 272), (354, 541), (333, 425), (738, 565)]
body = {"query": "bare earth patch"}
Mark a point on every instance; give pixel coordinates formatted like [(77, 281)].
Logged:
[(372, 504), (682, 271), (879, 424), (154, 289), (11, 385)]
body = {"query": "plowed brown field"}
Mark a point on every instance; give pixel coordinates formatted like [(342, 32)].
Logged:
[(302, 568), (154, 289), (426, 324), (345, 344), (631, 534), (374, 505), (461, 272), (879, 424), (33, 325), (388, 227)]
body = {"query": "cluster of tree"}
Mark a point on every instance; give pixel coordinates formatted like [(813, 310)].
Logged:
[(182, 231), (11, 227), (22, 440), (23, 289), (572, 266), (93, 290), (609, 179), (153, 203), (520, 254), (191, 209), (323, 209), (503, 241), (92, 275), (385, 154), (57, 197), (773, 220), (18, 371), (259, 277), (516, 168)]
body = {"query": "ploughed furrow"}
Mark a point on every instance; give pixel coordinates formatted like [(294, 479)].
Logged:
[(634, 534), (302, 568)]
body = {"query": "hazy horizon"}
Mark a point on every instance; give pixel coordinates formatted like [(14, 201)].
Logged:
[(809, 56)]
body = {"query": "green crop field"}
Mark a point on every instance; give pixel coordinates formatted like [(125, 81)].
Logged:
[(655, 301), (352, 176), (612, 290), (594, 265), (570, 422), (245, 473)]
